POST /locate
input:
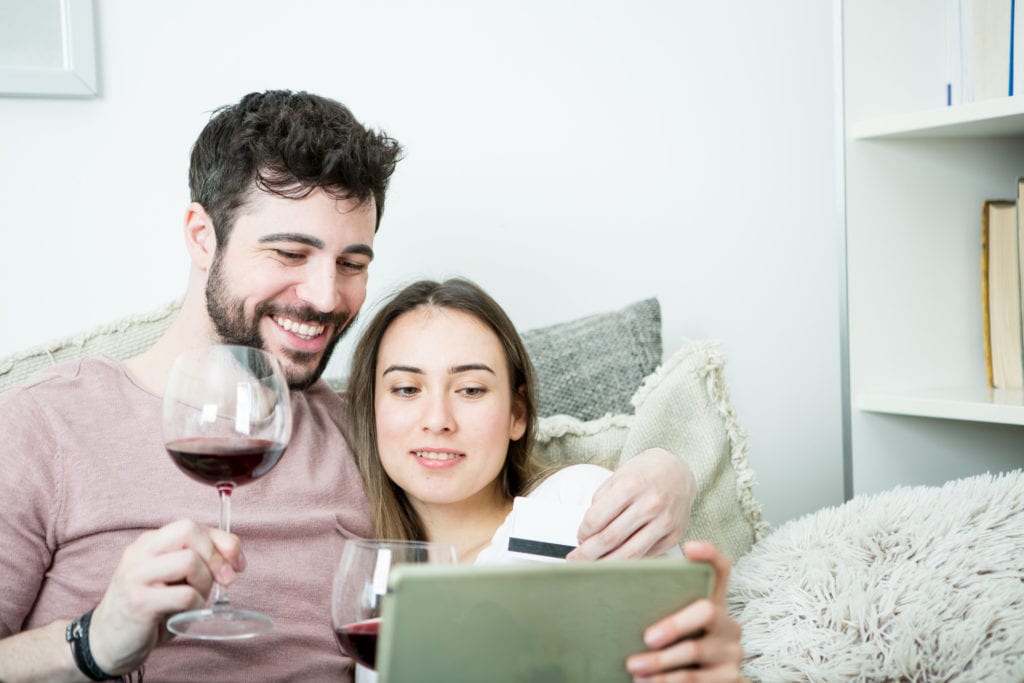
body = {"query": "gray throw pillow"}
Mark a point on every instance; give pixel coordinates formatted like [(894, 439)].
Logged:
[(591, 366), (683, 407)]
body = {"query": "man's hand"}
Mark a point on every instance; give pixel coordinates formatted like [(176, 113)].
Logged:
[(643, 509), (711, 650), (165, 571)]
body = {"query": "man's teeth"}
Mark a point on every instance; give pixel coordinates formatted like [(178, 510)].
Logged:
[(304, 330), (435, 456)]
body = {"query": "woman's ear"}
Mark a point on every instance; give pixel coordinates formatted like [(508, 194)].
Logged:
[(518, 425), (200, 238)]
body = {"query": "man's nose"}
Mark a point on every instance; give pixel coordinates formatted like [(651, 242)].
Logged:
[(320, 288)]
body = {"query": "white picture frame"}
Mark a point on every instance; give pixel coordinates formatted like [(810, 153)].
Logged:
[(68, 68)]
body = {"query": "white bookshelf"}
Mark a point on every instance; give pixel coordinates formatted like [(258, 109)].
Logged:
[(972, 404), (1002, 117), (916, 176)]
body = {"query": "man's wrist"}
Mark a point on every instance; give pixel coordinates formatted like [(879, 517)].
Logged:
[(77, 635)]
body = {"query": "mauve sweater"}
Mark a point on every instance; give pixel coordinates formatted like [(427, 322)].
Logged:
[(83, 472)]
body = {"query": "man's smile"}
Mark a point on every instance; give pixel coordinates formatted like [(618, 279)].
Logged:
[(302, 330)]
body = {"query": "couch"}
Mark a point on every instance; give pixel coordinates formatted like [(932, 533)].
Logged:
[(917, 583)]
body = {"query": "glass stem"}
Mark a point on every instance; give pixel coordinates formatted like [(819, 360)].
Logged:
[(220, 593)]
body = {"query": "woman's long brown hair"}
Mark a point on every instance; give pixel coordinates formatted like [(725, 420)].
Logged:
[(394, 516)]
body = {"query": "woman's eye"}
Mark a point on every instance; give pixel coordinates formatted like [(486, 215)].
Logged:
[(472, 392), (404, 391)]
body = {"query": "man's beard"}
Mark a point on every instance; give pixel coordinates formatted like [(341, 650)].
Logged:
[(229, 319)]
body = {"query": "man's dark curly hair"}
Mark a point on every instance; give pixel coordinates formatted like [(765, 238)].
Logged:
[(288, 144)]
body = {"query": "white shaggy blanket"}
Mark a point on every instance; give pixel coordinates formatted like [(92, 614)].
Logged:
[(913, 584)]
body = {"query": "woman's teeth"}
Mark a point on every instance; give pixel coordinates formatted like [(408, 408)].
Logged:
[(303, 330), (435, 456)]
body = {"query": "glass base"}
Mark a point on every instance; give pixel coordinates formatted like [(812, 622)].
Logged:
[(220, 623)]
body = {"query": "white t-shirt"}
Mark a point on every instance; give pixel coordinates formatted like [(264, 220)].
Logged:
[(571, 488)]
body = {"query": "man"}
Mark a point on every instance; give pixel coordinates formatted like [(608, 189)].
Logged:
[(287, 195)]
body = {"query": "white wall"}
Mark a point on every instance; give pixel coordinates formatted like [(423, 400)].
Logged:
[(571, 157)]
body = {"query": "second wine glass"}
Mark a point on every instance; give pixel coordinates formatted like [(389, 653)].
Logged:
[(360, 584)]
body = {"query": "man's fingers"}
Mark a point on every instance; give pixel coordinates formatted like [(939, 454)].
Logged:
[(177, 567), (640, 545), (610, 537), (605, 507), (183, 533), (219, 550), (173, 599), (229, 547), (635, 532)]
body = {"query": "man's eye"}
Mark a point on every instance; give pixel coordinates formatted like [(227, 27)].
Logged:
[(288, 255), (352, 266)]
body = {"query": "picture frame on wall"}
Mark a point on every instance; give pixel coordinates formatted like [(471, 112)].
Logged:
[(47, 48)]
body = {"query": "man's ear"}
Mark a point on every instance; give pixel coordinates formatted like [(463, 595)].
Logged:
[(518, 427), (200, 238)]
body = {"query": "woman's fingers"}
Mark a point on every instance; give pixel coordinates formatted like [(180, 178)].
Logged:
[(702, 551), (709, 644)]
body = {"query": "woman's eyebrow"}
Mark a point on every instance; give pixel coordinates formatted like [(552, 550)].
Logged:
[(454, 370), (470, 366), (401, 368)]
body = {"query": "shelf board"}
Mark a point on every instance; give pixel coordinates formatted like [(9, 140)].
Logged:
[(981, 404), (1002, 117)]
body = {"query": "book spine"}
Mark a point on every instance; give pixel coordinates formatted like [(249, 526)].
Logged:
[(1013, 30), (954, 54), (985, 314), (1020, 274)]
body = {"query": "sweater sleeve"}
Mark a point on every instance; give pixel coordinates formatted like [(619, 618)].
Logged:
[(30, 496)]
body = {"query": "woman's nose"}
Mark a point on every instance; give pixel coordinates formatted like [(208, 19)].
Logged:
[(438, 415)]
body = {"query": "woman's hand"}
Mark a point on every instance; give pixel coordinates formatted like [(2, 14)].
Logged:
[(680, 655)]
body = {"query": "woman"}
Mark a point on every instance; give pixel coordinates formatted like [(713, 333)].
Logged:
[(443, 413)]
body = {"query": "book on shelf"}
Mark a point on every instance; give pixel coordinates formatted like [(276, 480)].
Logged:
[(984, 49), (1001, 293)]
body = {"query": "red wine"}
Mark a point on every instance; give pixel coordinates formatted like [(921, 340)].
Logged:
[(359, 641), (225, 460)]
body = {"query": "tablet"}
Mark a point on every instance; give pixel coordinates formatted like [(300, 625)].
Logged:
[(576, 621)]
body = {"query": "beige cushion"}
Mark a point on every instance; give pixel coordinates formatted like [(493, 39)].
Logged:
[(682, 407), (121, 339)]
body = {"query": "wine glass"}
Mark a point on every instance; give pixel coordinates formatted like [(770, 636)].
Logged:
[(227, 420), (362, 580)]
